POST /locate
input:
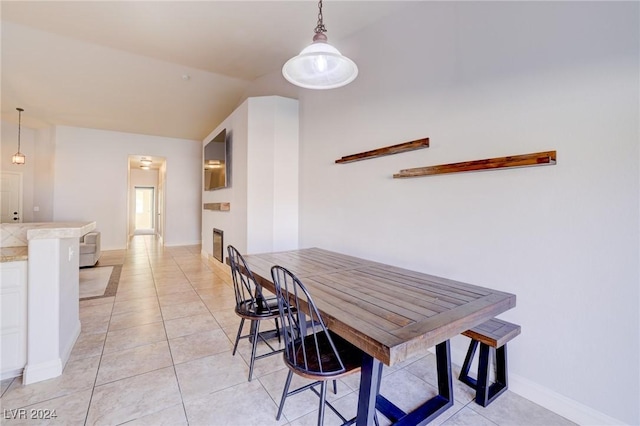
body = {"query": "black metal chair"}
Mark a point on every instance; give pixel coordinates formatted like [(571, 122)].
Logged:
[(311, 350), (253, 306)]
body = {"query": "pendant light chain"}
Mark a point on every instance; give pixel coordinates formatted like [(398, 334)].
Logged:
[(320, 28)]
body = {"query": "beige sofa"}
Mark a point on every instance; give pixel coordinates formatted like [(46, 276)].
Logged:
[(89, 249)]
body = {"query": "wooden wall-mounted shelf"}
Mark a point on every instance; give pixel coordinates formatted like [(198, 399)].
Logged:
[(223, 207), (535, 159), (387, 150)]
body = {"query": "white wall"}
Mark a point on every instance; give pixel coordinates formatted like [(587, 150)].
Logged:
[(272, 158), (91, 168), (482, 80), (52, 309), (44, 175), (69, 294), (233, 222), (264, 178)]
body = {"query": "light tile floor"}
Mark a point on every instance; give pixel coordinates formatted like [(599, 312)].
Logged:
[(159, 353)]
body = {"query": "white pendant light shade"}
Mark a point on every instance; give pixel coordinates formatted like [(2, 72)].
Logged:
[(320, 66), (18, 158)]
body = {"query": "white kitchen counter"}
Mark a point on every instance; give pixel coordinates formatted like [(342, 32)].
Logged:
[(51, 251), (19, 234), (13, 254)]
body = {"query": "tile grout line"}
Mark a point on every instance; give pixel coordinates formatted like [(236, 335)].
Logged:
[(95, 380), (214, 318), (102, 353), (173, 364)]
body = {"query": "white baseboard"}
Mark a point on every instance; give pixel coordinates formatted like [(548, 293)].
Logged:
[(66, 352), (183, 243), (45, 370), (559, 404), (216, 263), (11, 374), (549, 399)]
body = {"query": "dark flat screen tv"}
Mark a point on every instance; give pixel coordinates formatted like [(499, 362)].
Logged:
[(217, 164)]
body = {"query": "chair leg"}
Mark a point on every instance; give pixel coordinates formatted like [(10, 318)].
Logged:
[(235, 346), (482, 386), (502, 382), (277, 330), (464, 372), (335, 387), (256, 332), (323, 399), (501, 366), (486, 391), (284, 394)]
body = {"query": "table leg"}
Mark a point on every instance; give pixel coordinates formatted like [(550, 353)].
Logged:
[(445, 380), (370, 376), (424, 413)]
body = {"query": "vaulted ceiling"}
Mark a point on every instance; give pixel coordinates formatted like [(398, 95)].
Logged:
[(166, 68)]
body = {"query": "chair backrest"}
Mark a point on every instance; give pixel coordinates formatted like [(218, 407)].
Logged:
[(248, 293), (308, 344)]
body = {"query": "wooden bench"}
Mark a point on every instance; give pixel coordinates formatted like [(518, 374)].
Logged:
[(494, 333)]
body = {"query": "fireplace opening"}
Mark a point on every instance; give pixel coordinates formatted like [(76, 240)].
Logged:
[(218, 244)]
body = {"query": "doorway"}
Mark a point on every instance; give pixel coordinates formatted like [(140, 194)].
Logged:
[(144, 221), (146, 195)]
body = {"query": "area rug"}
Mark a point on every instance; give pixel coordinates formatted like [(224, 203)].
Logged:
[(99, 281)]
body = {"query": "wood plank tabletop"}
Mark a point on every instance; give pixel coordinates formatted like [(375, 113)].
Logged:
[(389, 312)]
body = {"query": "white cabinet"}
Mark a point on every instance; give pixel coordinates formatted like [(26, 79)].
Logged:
[(13, 318)]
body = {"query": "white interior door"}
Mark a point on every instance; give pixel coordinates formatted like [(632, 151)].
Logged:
[(11, 197)]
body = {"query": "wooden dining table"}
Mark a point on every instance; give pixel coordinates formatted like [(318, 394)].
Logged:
[(391, 314)]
